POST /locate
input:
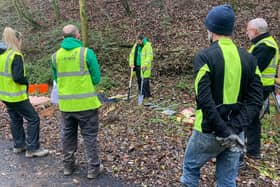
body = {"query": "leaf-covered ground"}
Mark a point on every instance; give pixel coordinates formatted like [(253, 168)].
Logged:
[(144, 146)]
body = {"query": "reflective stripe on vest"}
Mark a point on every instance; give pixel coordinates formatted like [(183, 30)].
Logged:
[(6, 71), (12, 94), (76, 96)]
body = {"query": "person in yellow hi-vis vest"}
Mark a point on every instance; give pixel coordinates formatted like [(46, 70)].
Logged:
[(140, 59), (13, 92), (76, 71), (265, 49)]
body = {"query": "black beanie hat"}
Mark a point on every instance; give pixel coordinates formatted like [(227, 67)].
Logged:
[(220, 20)]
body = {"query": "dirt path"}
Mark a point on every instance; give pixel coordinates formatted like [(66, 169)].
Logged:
[(18, 171)]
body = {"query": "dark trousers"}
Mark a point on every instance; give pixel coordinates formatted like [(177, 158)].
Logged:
[(88, 123), (253, 132), (146, 91), (17, 111)]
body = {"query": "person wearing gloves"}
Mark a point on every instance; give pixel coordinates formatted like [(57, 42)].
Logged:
[(228, 94), (13, 93), (76, 71), (140, 60)]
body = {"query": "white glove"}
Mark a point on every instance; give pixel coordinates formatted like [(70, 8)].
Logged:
[(233, 142)]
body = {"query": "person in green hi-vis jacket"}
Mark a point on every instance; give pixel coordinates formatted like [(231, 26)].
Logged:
[(76, 71), (140, 59)]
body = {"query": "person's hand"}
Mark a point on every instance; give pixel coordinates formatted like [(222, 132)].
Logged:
[(132, 67), (143, 68), (222, 130), (233, 142)]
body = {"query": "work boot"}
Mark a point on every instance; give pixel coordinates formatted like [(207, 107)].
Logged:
[(254, 156), (148, 101), (18, 150), (242, 164), (94, 173), (37, 153), (68, 170)]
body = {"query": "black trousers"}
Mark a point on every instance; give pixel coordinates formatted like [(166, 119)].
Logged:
[(253, 132), (17, 111), (146, 91), (88, 123)]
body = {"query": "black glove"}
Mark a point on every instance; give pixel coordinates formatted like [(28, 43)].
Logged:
[(222, 130), (234, 128), (227, 128)]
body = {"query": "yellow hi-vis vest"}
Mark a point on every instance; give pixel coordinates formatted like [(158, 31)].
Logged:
[(76, 91), (268, 74), (10, 91)]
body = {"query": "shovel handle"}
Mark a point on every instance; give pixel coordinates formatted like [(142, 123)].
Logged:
[(142, 82), (129, 85), (130, 79)]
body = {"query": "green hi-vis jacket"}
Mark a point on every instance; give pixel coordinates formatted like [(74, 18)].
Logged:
[(146, 58), (76, 90), (268, 75), (10, 91), (227, 87)]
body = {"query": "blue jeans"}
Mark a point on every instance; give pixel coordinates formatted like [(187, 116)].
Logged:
[(200, 149)]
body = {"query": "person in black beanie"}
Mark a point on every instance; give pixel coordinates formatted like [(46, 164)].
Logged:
[(228, 96)]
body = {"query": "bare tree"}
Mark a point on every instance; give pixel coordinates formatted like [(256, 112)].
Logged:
[(84, 22), (56, 9), (126, 7), (24, 14)]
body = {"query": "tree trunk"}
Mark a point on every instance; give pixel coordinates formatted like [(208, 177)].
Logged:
[(126, 7), (56, 9), (84, 22), (24, 14)]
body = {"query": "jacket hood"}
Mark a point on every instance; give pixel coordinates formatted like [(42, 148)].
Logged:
[(71, 43), (3, 47), (145, 40)]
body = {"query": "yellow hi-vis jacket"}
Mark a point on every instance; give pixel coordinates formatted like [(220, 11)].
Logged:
[(146, 58)]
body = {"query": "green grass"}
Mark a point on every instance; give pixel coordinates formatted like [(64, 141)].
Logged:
[(157, 121), (270, 143), (106, 84), (269, 127)]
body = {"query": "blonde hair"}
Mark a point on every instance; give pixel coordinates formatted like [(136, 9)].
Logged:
[(12, 38)]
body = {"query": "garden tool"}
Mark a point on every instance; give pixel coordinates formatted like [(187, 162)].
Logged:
[(275, 97), (129, 86), (141, 96)]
